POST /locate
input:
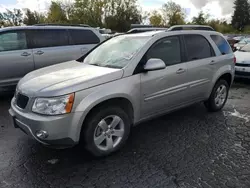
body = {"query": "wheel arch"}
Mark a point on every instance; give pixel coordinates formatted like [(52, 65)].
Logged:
[(228, 77), (122, 102), (119, 100)]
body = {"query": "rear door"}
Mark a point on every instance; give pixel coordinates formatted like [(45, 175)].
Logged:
[(83, 40), (16, 58), (201, 67), (51, 46)]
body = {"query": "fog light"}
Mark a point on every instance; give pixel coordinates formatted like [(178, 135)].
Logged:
[(42, 134)]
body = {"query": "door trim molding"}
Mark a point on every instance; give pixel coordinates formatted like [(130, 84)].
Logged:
[(166, 92), (199, 82)]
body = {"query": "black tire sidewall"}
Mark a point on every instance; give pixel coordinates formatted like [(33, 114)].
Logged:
[(92, 122), (211, 102)]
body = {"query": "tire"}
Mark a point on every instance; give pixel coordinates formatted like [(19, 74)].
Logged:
[(212, 103), (95, 130)]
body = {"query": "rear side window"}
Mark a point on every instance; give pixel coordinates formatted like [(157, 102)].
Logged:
[(13, 40), (197, 47), (221, 44), (82, 36), (167, 49), (49, 38)]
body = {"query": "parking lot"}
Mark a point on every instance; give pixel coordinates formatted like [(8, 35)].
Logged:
[(187, 148)]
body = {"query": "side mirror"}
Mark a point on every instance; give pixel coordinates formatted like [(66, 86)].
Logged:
[(154, 64)]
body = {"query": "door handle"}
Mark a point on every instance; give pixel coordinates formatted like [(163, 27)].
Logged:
[(180, 71), (25, 54), (39, 52), (212, 62)]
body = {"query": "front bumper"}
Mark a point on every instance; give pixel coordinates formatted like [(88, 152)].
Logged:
[(61, 130), (242, 72)]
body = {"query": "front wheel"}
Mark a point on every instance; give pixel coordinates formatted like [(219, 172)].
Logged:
[(218, 97), (106, 130)]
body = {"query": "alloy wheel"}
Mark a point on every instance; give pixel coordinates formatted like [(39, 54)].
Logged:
[(220, 95), (109, 133)]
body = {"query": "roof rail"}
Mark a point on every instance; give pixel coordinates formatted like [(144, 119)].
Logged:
[(55, 24), (191, 27), (145, 29), (140, 26)]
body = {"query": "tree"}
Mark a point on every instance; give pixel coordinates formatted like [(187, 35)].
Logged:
[(69, 10), (1, 20), (215, 24), (201, 19), (156, 19), (56, 14), (41, 18), (173, 14), (247, 29), (31, 18), (114, 14), (120, 14), (12, 18), (241, 16), (89, 12)]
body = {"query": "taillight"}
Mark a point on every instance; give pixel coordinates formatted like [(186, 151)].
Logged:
[(234, 60)]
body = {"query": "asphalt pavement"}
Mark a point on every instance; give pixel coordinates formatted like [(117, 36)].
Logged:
[(187, 148)]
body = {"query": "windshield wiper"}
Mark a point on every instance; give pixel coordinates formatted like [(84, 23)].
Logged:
[(112, 66), (95, 64), (99, 64), (103, 65)]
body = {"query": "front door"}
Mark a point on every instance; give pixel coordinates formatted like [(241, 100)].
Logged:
[(163, 90), (16, 59)]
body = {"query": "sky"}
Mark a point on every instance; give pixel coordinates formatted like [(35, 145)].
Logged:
[(221, 9)]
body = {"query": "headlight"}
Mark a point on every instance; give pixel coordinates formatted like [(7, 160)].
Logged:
[(54, 106)]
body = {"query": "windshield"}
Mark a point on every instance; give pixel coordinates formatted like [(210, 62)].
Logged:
[(245, 49), (116, 52)]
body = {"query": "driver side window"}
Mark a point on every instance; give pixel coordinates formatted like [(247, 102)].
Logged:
[(167, 49)]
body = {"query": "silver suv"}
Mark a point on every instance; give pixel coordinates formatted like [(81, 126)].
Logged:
[(122, 82), (24, 49)]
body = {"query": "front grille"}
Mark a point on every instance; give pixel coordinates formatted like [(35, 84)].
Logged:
[(242, 73), (242, 65), (21, 100)]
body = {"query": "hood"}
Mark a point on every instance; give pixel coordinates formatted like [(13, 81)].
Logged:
[(66, 78), (242, 57)]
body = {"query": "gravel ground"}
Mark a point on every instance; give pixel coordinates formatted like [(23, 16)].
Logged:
[(188, 148)]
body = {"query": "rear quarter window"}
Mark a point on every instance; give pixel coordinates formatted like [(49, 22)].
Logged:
[(222, 44), (81, 36)]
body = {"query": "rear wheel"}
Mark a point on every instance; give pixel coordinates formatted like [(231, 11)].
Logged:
[(106, 130), (218, 97)]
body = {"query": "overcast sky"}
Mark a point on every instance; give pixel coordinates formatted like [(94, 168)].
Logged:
[(216, 8)]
